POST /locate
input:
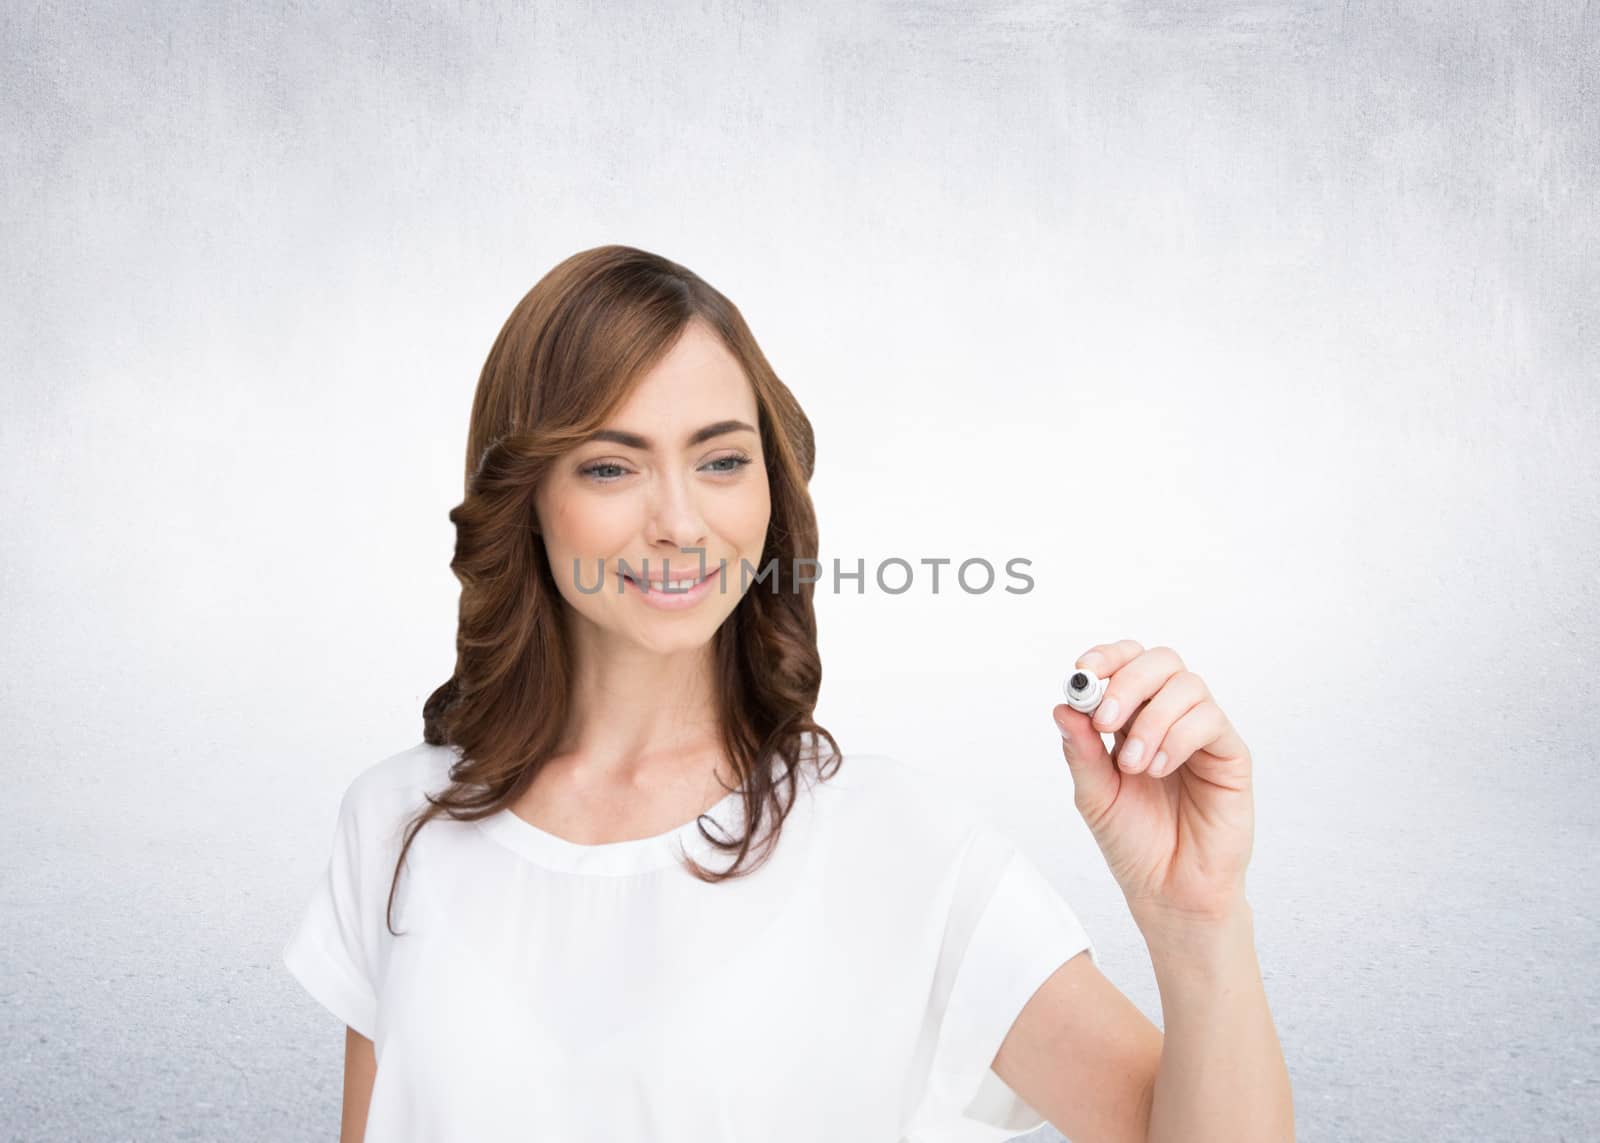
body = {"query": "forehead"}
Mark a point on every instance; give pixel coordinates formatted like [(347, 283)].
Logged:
[(697, 381)]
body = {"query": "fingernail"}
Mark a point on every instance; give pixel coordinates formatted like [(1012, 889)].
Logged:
[(1106, 713), (1056, 718), (1158, 764), (1132, 751)]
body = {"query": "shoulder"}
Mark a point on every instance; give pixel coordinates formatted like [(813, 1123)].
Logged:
[(387, 792), (910, 804), (881, 777)]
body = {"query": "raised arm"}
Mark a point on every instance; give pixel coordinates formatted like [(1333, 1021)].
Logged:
[(1174, 816)]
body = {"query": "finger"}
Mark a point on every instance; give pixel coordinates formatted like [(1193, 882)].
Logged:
[(1134, 684), (1144, 735), (1094, 778), (1200, 728), (1106, 659)]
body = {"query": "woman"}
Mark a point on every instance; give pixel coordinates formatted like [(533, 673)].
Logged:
[(642, 895)]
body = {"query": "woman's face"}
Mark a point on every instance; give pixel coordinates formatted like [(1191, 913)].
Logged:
[(680, 466)]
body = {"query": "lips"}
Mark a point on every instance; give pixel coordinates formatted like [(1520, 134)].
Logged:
[(676, 583)]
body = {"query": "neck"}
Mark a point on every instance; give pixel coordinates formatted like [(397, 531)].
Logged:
[(641, 717)]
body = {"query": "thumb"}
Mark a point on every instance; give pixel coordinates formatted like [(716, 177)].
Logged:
[(1094, 775)]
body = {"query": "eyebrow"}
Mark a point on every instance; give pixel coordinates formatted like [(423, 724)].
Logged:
[(634, 440)]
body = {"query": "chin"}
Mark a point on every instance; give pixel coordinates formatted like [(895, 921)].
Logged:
[(673, 642)]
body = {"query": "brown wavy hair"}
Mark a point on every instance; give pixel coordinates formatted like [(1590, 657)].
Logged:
[(565, 360)]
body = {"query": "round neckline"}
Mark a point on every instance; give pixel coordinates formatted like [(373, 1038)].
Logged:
[(614, 858)]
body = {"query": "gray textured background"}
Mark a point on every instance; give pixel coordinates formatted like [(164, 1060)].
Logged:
[(1264, 330)]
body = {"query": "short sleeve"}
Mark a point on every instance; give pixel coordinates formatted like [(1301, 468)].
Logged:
[(1008, 930), (327, 952)]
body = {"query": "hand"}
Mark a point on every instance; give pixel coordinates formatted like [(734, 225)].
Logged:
[(1176, 823)]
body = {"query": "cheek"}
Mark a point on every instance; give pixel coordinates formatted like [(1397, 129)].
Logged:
[(591, 530), (578, 538), (752, 514)]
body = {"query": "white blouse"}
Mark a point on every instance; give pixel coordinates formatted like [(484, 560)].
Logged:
[(854, 988)]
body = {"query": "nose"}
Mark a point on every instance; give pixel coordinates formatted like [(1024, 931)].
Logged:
[(674, 520)]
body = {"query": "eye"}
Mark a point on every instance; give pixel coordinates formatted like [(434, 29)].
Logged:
[(735, 463), (594, 471)]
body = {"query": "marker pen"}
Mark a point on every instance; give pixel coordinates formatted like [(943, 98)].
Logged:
[(1083, 689)]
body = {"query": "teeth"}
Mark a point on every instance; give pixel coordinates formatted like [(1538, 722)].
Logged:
[(677, 584)]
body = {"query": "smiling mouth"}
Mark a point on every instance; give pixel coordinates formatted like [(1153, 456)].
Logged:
[(676, 583)]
